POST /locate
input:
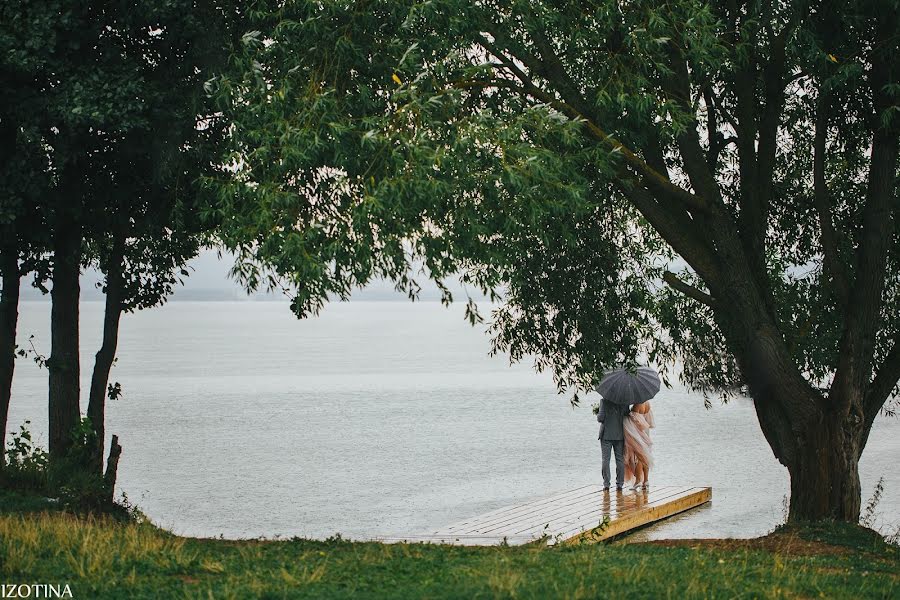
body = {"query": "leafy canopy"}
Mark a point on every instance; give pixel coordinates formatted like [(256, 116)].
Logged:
[(101, 105), (565, 154)]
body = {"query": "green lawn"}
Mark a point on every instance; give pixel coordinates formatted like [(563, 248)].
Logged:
[(105, 558)]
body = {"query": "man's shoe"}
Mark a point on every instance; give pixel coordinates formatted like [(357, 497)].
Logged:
[(605, 488), (618, 488)]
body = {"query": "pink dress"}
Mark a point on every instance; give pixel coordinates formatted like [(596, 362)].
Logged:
[(638, 445)]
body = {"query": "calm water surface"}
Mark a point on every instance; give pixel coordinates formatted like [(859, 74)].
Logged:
[(380, 418)]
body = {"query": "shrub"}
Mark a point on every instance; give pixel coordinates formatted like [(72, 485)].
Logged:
[(26, 463), (71, 480)]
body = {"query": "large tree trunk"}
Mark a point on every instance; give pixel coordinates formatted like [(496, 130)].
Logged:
[(63, 364), (9, 316), (819, 443), (106, 355), (820, 449), (825, 473)]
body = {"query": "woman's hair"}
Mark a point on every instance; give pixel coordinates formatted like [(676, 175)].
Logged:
[(642, 408)]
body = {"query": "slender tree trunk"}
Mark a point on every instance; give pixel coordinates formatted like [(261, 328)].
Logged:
[(9, 316), (106, 355), (63, 364), (9, 299)]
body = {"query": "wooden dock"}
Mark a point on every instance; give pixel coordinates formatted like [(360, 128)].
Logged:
[(587, 513)]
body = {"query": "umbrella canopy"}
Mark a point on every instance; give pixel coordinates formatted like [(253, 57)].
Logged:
[(629, 386)]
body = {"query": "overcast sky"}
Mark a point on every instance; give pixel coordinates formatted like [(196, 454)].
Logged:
[(209, 280)]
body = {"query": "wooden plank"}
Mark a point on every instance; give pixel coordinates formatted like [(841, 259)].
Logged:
[(515, 508), (644, 516), (567, 517), (539, 511), (528, 512), (590, 516), (613, 503), (584, 516)]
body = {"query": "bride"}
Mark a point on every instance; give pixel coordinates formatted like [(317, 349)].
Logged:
[(638, 445)]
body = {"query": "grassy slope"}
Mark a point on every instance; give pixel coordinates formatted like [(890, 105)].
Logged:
[(102, 558)]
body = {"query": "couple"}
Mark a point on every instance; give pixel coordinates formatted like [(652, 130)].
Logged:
[(625, 431)]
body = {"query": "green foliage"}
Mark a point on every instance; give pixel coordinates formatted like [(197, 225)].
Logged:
[(28, 469), (110, 102), (114, 391), (108, 127), (501, 141), (26, 463), (77, 487), (39, 359)]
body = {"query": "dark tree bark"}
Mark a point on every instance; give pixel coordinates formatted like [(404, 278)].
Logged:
[(106, 355), (64, 408), (825, 473), (821, 451), (112, 467), (9, 316)]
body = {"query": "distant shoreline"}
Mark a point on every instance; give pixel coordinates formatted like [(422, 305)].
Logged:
[(267, 299), (227, 295)]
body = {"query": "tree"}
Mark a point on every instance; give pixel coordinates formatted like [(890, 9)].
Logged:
[(111, 95), (23, 239), (561, 151)]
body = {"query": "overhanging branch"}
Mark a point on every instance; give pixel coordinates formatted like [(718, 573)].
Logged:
[(688, 290)]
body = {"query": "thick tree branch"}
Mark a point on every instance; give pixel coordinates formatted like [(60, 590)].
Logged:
[(679, 231), (678, 88), (510, 65), (553, 70), (775, 423), (744, 57), (758, 134), (773, 80), (717, 141), (857, 346), (688, 290), (822, 203), (757, 204), (653, 151)]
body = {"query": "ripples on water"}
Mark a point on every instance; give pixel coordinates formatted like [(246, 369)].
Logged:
[(385, 417)]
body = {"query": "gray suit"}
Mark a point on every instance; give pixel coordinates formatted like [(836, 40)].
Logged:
[(612, 439)]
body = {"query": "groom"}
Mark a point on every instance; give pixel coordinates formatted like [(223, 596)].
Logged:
[(612, 438)]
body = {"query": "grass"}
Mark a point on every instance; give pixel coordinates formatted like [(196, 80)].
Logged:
[(101, 557)]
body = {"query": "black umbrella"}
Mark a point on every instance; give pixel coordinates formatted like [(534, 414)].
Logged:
[(629, 386)]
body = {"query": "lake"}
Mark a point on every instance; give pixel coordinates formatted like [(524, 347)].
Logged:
[(381, 418)]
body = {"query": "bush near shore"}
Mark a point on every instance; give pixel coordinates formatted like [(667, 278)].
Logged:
[(106, 557)]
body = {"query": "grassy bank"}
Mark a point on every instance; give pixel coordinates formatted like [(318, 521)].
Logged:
[(106, 558)]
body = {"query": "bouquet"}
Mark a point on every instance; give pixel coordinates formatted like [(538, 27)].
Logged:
[(595, 408)]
